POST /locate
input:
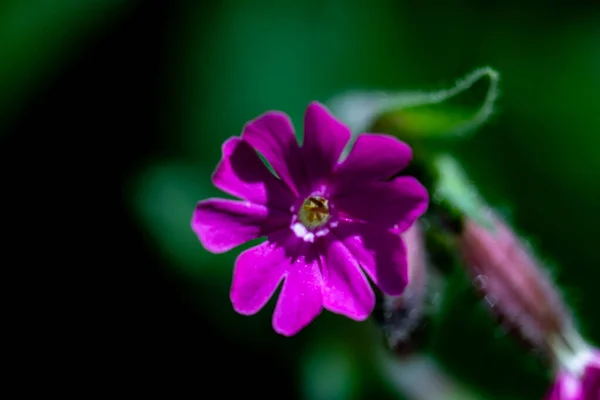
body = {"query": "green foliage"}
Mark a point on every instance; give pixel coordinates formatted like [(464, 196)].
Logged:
[(417, 116)]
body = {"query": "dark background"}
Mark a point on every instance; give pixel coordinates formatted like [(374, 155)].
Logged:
[(111, 121)]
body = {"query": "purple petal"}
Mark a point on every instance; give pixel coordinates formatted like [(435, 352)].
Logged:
[(258, 271), (591, 382), (272, 135), (224, 224), (324, 139), (382, 255), (347, 291), (300, 300), (395, 204), (567, 387), (372, 158), (241, 173)]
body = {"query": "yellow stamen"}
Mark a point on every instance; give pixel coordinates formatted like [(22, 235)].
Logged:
[(314, 212)]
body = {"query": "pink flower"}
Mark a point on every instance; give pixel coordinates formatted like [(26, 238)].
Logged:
[(581, 385), (323, 219)]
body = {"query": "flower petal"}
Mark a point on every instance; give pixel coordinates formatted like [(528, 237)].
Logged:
[(324, 139), (241, 173), (395, 204), (591, 382), (382, 255), (272, 135), (567, 387), (258, 271), (224, 224), (373, 157), (346, 289), (300, 300)]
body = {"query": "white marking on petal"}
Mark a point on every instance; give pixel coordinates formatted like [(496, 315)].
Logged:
[(299, 229), (322, 232), (302, 232)]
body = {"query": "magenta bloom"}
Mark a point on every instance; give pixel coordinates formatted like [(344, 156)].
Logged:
[(323, 219), (583, 386)]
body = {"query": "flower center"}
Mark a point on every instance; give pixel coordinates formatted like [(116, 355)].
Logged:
[(314, 212)]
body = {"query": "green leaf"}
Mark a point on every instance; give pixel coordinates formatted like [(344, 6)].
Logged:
[(422, 115)]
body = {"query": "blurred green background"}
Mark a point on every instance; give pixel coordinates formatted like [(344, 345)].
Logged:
[(145, 92)]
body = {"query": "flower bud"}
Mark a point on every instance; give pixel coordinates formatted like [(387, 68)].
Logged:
[(512, 281)]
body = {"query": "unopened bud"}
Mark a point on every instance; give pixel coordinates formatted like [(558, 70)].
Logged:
[(519, 291), (512, 281)]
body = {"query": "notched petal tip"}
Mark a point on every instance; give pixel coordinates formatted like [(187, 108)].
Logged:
[(229, 145), (390, 150), (292, 323), (273, 114), (373, 157), (257, 274), (272, 135), (419, 193), (358, 315), (271, 123), (300, 300), (324, 140), (242, 173), (416, 201), (200, 228), (288, 329), (241, 310), (218, 177)]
